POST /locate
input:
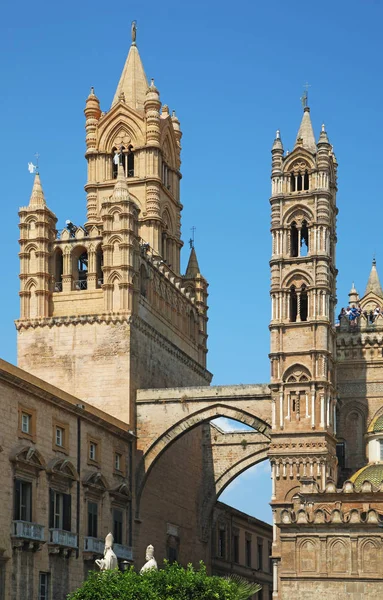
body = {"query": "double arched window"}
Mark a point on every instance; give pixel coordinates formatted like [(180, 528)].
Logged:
[(299, 181)]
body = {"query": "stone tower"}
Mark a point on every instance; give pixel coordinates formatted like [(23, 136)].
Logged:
[(303, 282), (105, 309)]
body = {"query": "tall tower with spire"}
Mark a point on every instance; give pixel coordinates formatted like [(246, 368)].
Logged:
[(104, 307), (302, 329)]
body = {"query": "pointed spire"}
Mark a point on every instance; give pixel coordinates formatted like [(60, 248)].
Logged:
[(121, 190), (305, 135), (133, 83), (193, 268), (37, 196), (373, 284)]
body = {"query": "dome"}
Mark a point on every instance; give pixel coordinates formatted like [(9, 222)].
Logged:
[(376, 424), (372, 472)]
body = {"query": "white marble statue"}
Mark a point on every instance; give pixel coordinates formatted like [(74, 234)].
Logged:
[(109, 561), (151, 562)]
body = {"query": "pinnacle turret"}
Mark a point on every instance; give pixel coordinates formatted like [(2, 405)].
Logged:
[(373, 284), (277, 145), (193, 268), (353, 295), (121, 190)]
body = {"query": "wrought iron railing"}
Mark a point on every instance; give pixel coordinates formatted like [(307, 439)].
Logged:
[(80, 284), (28, 530), (63, 538)]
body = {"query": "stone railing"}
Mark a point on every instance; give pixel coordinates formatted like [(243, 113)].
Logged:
[(28, 531), (123, 552), (63, 538), (94, 545)]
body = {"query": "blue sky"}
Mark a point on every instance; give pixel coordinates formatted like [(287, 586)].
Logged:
[(234, 74)]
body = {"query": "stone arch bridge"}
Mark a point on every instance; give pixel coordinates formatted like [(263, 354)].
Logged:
[(164, 415)]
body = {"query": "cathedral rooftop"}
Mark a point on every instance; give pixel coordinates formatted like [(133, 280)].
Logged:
[(193, 268), (133, 83), (373, 284), (305, 135)]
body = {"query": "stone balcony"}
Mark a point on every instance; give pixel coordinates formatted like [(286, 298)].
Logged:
[(62, 542), (123, 552), (27, 535), (93, 547)]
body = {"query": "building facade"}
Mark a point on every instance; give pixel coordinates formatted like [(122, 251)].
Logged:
[(66, 481), (241, 545)]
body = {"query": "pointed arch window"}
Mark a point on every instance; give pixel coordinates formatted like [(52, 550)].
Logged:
[(303, 304), (299, 182), (80, 269), (99, 266), (294, 239), (124, 156), (293, 304), (306, 181), (58, 268), (304, 239), (292, 182)]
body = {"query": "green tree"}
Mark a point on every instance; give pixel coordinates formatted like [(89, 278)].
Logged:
[(173, 582)]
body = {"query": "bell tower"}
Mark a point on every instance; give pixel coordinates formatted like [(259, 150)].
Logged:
[(303, 297), (105, 309)]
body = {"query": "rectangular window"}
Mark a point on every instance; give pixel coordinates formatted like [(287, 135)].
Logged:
[(222, 542), (26, 423), (92, 451), (117, 525), (260, 554), (44, 586), (118, 461), (92, 519), (341, 454), (236, 548), (248, 552), (23, 500), (172, 554), (60, 513), (381, 449), (59, 436), (270, 558)]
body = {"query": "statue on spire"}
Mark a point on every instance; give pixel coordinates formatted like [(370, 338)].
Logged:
[(134, 32), (305, 95)]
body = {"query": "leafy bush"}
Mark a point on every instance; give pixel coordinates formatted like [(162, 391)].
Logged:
[(171, 583)]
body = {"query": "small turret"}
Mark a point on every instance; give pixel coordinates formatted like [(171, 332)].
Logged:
[(353, 296), (277, 154), (152, 111), (92, 114)]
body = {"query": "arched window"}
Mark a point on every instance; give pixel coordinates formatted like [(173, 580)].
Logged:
[(292, 182), (303, 308), (99, 265), (304, 239), (293, 304), (130, 162), (299, 182), (58, 266), (306, 181), (114, 163), (294, 239), (80, 269)]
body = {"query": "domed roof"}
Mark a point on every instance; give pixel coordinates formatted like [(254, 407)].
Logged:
[(376, 425), (372, 472)]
